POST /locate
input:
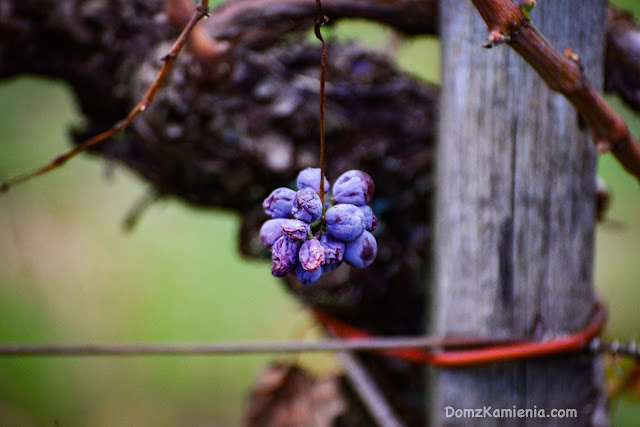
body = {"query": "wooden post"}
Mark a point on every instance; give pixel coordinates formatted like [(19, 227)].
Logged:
[(515, 214)]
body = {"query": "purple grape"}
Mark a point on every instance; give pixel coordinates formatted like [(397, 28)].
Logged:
[(308, 277), (271, 231), (279, 203), (370, 220), (330, 267), (361, 252), (284, 255), (295, 230), (307, 206), (311, 254), (310, 178), (354, 187), (348, 224), (333, 249), (344, 222)]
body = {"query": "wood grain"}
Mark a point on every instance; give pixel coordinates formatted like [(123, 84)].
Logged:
[(515, 211)]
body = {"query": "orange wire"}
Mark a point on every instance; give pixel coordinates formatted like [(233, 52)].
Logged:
[(481, 356)]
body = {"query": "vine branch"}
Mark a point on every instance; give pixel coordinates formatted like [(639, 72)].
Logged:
[(201, 11), (246, 21), (237, 19), (563, 74)]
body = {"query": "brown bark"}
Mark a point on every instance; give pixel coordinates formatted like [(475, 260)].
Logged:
[(237, 19), (246, 21)]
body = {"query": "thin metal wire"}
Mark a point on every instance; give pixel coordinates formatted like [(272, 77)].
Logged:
[(566, 343), (470, 347), (631, 349), (616, 348), (187, 349)]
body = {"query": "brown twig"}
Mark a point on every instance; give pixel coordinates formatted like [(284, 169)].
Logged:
[(236, 19), (205, 48), (563, 74), (233, 20), (237, 22), (201, 11), (245, 21)]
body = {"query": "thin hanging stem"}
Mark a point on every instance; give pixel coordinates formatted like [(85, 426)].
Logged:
[(320, 21)]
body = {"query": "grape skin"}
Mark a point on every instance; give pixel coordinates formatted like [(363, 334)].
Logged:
[(271, 231), (342, 235), (333, 249), (308, 277), (307, 205), (354, 187), (370, 220), (345, 222), (361, 252), (310, 178), (284, 256), (311, 255), (279, 203), (295, 230)]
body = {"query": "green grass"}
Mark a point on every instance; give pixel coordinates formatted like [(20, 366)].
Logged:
[(68, 274)]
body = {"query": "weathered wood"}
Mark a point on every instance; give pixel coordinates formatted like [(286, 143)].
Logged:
[(515, 213)]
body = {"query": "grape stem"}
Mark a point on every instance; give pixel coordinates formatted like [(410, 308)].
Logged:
[(320, 21)]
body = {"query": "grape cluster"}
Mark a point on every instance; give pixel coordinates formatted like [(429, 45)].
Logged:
[(304, 240)]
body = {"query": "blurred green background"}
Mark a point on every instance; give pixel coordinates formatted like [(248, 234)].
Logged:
[(68, 274)]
